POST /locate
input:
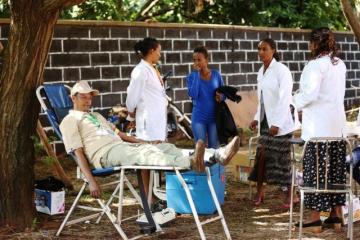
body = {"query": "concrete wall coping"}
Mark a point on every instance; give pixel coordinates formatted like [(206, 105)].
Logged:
[(100, 23)]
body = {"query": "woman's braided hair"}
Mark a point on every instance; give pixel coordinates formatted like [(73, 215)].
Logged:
[(324, 44)]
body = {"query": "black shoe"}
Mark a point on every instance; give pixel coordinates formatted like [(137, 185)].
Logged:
[(314, 227), (333, 222)]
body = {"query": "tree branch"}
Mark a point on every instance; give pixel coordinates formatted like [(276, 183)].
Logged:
[(158, 13), (351, 18), (53, 5), (146, 8)]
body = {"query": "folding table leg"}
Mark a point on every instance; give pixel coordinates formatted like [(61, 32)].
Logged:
[(108, 202), (121, 196), (113, 220), (217, 204), (73, 206), (192, 205)]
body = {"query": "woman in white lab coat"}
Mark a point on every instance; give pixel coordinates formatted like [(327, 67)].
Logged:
[(146, 93), (321, 100), (274, 121), (146, 100)]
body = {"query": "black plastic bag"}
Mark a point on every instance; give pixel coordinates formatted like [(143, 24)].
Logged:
[(49, 184)]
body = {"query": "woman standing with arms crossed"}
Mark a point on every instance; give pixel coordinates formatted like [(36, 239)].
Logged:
[(146, 96), (201, 84), (321, 100), (274, 121)]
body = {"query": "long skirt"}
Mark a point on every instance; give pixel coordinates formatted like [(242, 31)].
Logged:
[(272, 159), (336, 174)]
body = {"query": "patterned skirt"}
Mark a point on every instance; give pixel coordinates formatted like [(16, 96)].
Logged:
[(336, 174), (272, 160)]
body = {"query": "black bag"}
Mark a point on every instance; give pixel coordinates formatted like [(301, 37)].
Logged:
[(50, 184), (225, 123)]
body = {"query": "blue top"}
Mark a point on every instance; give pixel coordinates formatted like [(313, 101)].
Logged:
[(202, 93)]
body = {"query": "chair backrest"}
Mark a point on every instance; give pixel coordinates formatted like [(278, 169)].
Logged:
[(55, 102), (325, 146)]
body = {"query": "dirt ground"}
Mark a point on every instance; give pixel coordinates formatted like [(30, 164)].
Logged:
[(244, 221)]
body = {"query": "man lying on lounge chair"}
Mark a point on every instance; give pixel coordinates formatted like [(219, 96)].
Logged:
[(90, 136)]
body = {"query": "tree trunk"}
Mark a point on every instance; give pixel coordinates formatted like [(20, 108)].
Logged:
[(31, 30), (351, 17)]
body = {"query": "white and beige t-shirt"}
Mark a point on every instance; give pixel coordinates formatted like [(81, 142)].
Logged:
[(89, 131)]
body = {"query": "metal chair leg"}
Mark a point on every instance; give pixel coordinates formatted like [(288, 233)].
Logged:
[(301, 213), (292, 198)]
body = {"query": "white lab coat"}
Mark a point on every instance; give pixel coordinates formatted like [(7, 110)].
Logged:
[(321, 99), (276, 87), (146, 94)]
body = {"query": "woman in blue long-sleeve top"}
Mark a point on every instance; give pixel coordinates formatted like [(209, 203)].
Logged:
[(202, 84)]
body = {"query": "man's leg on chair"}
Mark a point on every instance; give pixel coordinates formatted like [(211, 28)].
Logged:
[(166, 154)]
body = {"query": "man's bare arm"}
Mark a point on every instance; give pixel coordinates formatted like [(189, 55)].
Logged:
[(130, 139), (85, 169)]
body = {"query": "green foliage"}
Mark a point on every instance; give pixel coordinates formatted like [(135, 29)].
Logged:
[(270, 13), (48, 160), (35, 224), (4, 9), (38, 147)]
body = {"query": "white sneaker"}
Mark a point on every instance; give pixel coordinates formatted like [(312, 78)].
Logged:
[(225, 154), (161, 218)]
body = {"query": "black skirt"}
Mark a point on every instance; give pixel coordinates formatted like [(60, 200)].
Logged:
[(276, 152)]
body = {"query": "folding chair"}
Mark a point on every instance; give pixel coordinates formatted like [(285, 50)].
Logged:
[(60, 91), (251, 156), (55, 102), (321, 188)]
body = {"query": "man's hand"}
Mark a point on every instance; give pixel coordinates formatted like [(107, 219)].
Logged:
[(253, 125), (273, 130), (94, 189)]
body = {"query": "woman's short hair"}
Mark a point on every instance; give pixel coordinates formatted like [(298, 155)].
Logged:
[(272, 45), (203, 50), (324, 43), (144, 46)]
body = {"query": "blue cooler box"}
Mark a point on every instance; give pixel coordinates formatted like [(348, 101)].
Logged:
[(199, 189)]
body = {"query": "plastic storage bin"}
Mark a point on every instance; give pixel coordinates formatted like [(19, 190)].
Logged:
[(199, 189)]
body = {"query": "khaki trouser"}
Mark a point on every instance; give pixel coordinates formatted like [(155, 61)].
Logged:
[(163, 154)]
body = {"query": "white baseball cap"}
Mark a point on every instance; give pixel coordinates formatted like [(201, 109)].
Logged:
[(83, 87)]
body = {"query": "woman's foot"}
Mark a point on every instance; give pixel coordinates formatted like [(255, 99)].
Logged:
[(259, 199), (286, 204), (333, 222), (313, 226)]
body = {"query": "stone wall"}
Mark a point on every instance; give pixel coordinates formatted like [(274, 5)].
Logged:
[(102, 53)]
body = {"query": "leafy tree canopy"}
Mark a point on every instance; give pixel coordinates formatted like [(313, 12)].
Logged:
[(271, 13)]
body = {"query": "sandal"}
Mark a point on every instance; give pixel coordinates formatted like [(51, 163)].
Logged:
[(313, 227), (333, 222)]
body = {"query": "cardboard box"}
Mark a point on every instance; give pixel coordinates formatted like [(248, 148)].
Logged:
[(239, 168), (199, 189), (356, 211), (244, 173), (50, 202)]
